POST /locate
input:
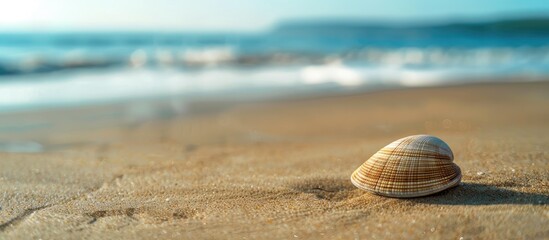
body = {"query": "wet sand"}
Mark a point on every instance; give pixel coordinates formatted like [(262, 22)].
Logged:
[(280, 170)]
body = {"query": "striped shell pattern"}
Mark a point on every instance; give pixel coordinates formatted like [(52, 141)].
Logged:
[(413, 166)]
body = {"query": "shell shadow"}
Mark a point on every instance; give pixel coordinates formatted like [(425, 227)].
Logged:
[(337, 189), (331, 189), (482, 194)]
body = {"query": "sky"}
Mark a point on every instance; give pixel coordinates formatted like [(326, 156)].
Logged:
[(237, 15)]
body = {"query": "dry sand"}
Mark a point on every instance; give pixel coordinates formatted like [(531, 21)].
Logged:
[(280, 170)]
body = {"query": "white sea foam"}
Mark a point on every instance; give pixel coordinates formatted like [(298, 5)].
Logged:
[(210, 56), (116, 84), (333, 72)]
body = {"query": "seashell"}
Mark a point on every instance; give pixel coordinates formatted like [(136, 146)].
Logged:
[(413, 166)]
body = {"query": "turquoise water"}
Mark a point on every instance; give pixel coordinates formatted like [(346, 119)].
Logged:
[(40, 70)]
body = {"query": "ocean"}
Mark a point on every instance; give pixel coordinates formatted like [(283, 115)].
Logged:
[(45, 70)]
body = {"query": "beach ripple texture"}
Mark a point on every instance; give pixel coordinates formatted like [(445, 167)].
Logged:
[(413, 166)]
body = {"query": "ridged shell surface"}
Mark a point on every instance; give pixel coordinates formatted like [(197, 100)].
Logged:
[(413, 166)]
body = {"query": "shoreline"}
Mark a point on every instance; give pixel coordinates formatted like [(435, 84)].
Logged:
[(160, 84)]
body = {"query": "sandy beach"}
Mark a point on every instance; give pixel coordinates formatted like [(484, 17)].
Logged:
[(280, 169)]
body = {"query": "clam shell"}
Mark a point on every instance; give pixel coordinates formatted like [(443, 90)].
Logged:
[(413, 166)]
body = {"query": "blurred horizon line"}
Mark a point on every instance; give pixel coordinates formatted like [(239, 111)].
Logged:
[(329, 20)]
